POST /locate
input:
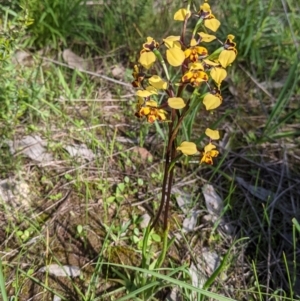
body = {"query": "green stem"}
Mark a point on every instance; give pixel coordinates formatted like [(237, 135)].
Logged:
[(163, 253), (2, 283), (215, 54), (163, 63), (197, 27), (145, 253)]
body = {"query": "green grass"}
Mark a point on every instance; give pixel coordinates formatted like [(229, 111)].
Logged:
[(87, 211)]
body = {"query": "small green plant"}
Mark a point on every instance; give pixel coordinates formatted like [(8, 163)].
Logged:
[(14, 96), (123, 190), (58, 22), (25, 235), (125, 20)]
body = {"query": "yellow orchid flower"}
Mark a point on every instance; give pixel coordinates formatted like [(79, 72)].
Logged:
[(228, 55), (194, 51), (138, 76), (175, 56), (194, 77), (209, 19), (209, 153), (147, 57)]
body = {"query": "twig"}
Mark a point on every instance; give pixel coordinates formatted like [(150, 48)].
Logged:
[(87, 72)]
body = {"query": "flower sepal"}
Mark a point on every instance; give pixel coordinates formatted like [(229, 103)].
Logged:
[(187, 148)]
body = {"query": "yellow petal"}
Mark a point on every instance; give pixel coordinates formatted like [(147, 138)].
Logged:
[(145, 111), (162, 114), (139, 102), (188, 148), (149, 40), (206, 37), (212, 134), (210, 63), (205, 7), (226, 57), (193, 42), (214, 153), (230, 37), (151, 90), (187, 52), (180, 14), (207, 158), (212, 24), (172, 41), (209, 147), (151, 103), (176, 103), (175, 56), (218, 75), (172, 38), (196, 66), (151, 118), (157, 82), (211, 101), (144, 93), (147, 59), (201, 50), (176, 44), (201, 76), (187, 76)]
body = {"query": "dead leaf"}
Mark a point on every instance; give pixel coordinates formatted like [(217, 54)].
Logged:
[(184, 202), (118, 71), (214, 203), (74, 61), (190, 222), (211, 260), (174, 295), (198, 277), (61, 271), (200, 272), (259, 192), (145, 220), (215, 206), (31, 146), (22, 58), (143, 153), (80, 151), (269, 85), (16, 193)]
